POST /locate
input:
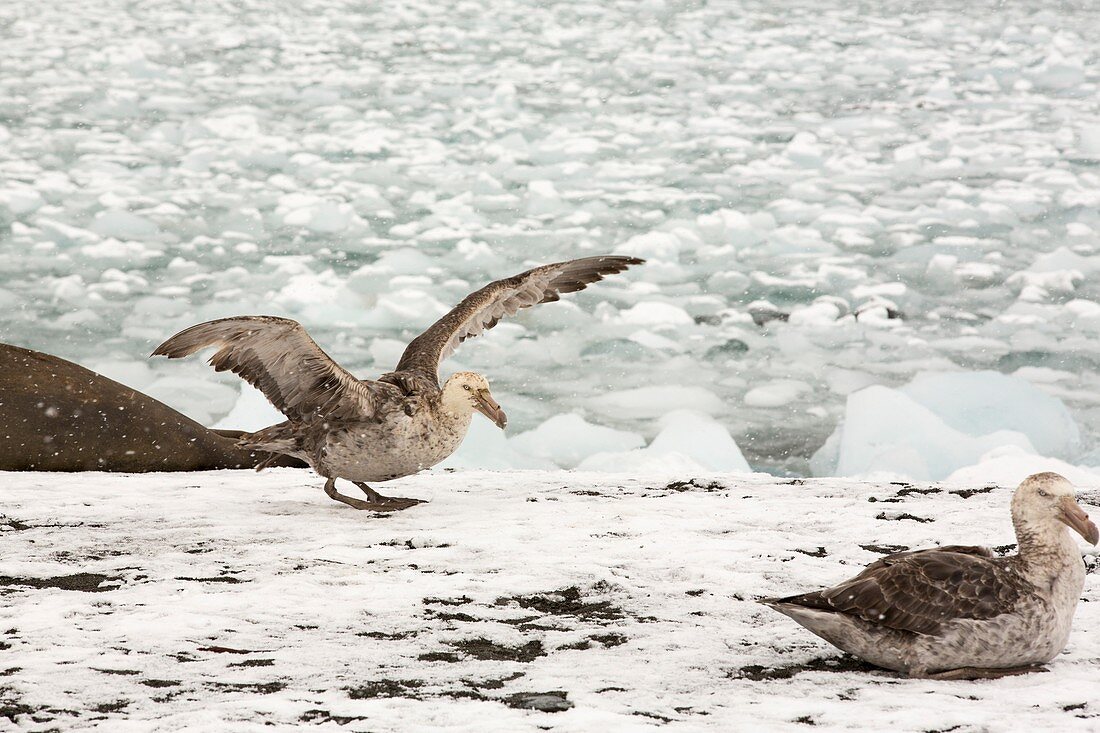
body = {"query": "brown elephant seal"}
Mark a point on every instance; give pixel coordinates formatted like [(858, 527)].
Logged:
[(58, 416)]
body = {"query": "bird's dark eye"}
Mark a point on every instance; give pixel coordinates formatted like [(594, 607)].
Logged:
[(466, 387), (1043, 493)]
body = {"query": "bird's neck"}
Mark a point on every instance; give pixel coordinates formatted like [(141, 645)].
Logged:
[(1047, 551)]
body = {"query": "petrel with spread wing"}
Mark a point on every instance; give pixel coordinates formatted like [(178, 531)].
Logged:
[(958, 612), (389, 427)]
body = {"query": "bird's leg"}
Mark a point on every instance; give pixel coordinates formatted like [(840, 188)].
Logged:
[(985, 673), (392, 503), (330, 489)]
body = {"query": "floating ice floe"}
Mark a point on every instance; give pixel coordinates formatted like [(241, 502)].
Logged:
[(941, 422), (688, 440)]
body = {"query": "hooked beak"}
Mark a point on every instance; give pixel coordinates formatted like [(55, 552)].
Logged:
[(1073, 515), (487, 406)]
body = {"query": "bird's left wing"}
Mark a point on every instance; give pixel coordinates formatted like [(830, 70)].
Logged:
[(920, 591), (482, 309)]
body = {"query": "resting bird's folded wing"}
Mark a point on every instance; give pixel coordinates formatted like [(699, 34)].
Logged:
[(279, 358), (482, 309), (920, 591)]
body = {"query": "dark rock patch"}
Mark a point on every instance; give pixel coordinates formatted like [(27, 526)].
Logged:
[(85, 582), (444, 616), (396, 636), (568, 602), (253, 663), (10, 706), (112, 707), (903, 516), (846, 663), (324, 716), (695, 485), (885, 549), (654, 716), (225, 650), (385, 688), (14, 524), (819, 552), (160, 683), (487, 650), (967, 493), (909, 490), (257, 688), (124, 672), (555, 701), (460, 601), (450, 657), (609, 640), (216, 579)]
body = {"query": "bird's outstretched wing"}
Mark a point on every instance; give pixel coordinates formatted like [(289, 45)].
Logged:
[(920, 591), (278, 357), (482, 309)]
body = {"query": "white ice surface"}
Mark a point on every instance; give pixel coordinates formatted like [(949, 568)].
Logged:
[(248, 602)]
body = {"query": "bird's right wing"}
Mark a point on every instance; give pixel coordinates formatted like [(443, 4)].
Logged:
[(279, 358)]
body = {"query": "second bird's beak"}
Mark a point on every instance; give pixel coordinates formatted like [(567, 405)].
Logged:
[(1076, 517), (487, 406)]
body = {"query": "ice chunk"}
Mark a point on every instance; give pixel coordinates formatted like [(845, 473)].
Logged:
[(122, 225), (1009, 465), (886, 431), (701, 438), (252, 411), (198, 398), (688, 439), (18, 202), (655, 313), (543, 198), (655, 401), (942, 421), (982, 402), (1088, 142), (568, 439), (776, 393), (656, 246)]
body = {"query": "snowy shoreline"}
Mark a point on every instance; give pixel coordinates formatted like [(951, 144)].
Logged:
[(238, 601)]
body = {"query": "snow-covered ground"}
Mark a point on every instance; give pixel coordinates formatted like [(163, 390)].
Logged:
[(232, 601), (785, 168)]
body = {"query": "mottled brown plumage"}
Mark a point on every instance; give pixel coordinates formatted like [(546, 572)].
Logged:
[(398, 424), (918, 591), (958, 612)]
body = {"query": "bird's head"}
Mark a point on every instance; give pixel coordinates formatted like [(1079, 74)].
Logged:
[(1048, 500), (466, 391)]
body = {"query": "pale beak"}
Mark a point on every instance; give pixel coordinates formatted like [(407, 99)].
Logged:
[(1073, 515), (487, 406)]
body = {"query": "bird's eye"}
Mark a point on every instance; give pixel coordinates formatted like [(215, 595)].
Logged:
[(466, 387), (1043, 493)]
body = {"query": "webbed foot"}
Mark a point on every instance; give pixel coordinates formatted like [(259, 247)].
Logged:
[(985, 673), (393, 503), (377, 503)]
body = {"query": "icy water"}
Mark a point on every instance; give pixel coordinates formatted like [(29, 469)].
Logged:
[(830, 195)]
